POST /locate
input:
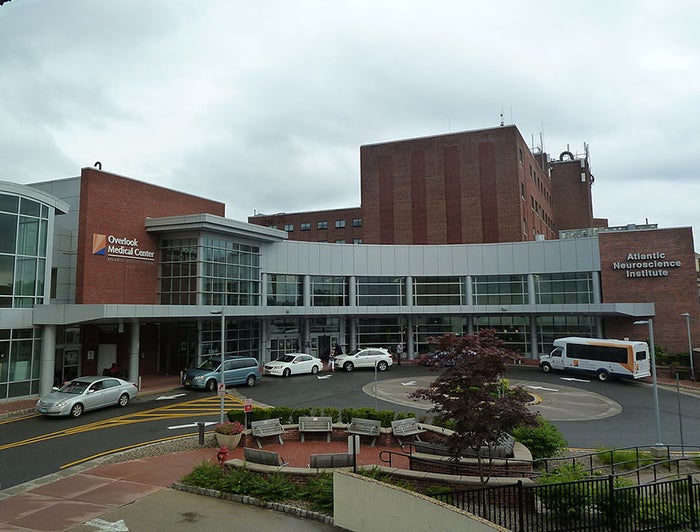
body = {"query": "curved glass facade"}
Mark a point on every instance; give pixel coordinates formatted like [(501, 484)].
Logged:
[(24, 226)]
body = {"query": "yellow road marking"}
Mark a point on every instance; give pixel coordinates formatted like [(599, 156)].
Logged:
[(209, 405)]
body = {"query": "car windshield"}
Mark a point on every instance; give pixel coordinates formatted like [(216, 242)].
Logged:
[(209, 364), (286, 358), (354, 352), (74, 387)]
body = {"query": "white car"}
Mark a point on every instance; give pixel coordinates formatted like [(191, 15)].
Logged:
[(86, 393), (365, 358), (293, 363)]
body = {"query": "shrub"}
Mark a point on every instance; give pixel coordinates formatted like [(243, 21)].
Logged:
[(204, 475), (625, 459), (567, 497), (239, 481), (544, 440), (319, 492), (276, 487), (623, 503), (333, 413)]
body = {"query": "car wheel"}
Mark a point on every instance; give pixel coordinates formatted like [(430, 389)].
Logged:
[(546, 367), (211, 385), (382, 365), (250, 381), (603, 375), (348, 366), (76, 410), (314, 370), (287, 372), (123, 400)]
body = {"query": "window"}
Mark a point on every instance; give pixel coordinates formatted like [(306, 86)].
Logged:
[(500, 290), (305, 226), (272, 226), (563, 288), (522, 190), (437, 291), (339, 224), (340, 241), (380, 291), (322, 225), (289, 227), (357, 222), (328, 291), (283, 290), (357, 241)]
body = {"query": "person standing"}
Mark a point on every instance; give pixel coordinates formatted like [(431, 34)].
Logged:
[(399, 353)]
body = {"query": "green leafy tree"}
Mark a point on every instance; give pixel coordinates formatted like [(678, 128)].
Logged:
[(470, 395)]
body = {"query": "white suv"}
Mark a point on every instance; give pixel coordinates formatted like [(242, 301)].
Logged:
[(365, 358)]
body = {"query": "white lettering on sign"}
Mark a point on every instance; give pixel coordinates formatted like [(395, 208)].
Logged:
[(127, 248), (638, 265)]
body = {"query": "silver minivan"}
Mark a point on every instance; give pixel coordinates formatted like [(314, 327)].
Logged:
[(237, 370)]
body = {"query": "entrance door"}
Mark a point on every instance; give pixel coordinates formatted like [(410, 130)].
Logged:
[(106, 356)]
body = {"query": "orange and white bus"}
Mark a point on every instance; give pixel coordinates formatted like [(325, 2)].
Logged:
[(600, 357)]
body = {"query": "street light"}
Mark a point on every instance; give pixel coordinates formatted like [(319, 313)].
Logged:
[(650, 323), (690, 346), (221, 389)]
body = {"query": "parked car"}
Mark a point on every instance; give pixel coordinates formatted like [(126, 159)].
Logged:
[(365, 358), (237, 370), (86, 393), (293, 363)]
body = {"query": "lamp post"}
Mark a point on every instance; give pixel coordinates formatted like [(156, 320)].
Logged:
[(690, 345), (222, 384), (650, 323)]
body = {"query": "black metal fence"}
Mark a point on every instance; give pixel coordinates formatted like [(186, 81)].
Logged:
[(595, 504)]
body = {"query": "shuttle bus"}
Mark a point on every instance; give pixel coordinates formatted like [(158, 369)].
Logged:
[(599, 357)]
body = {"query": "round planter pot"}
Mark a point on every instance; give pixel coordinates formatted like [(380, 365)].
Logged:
[(230, 441)]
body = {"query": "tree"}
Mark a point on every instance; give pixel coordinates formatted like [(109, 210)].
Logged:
[(470, 397)]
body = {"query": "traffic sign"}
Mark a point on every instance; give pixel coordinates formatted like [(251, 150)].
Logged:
[(222, 389), (248, 405)]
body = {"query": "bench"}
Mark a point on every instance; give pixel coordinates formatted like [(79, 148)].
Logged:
[(503, 448), (320, 461), (365, 427), (315, 424), (267, 427), (262, 457), (406, 427)]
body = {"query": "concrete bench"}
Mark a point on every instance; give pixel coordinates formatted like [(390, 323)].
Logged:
[(267, 427), (406, 427), (315, 424), (259, 456), (320, 461), (365, 427)]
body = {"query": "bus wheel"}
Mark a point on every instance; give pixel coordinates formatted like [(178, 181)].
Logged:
[(603, 375), (546, 367)]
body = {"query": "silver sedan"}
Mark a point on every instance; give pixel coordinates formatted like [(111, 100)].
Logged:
[(86, 393)]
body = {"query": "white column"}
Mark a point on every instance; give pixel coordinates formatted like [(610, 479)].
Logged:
[(48, 359), (134, 346)]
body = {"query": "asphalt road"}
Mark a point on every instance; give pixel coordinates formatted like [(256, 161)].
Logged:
[(590, 414)]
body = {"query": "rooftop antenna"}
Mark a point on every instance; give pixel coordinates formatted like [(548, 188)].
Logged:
[(501, 115)]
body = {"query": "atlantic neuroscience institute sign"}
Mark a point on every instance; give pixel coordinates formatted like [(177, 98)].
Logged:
[(120, 247), (646, 265)]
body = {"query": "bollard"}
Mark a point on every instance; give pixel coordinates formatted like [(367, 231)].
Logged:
[(200, 425)]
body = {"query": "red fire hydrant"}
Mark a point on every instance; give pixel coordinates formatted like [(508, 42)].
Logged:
[(222, 455)]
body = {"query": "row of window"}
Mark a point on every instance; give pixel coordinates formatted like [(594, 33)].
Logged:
[(573, 288), (323, 224)]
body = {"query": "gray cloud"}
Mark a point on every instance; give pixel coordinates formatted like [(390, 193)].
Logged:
[(265, 105)]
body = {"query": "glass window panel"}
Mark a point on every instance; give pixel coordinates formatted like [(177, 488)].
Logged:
[(26, 277), (30, 207), (7, 266), (8, 230), (9, 203), (28, 236)]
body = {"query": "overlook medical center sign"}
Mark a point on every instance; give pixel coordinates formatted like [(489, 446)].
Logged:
[(655, 264), (120, 247)]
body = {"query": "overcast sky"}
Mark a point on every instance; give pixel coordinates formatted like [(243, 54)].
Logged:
[(264, 105)]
